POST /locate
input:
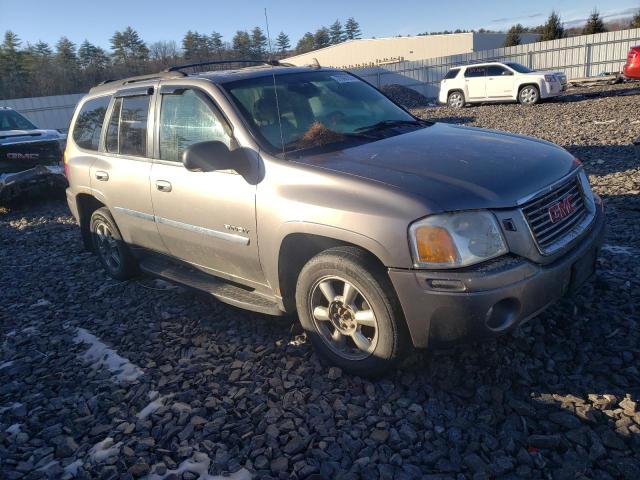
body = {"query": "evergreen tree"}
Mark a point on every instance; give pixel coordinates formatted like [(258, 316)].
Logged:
[(336, 33), (322, 38), (12, 67), (242, 43), (189, 45), (128, 47), (41, 49), (552, 29), (513, 36), (352, 29), (282, 42), (635, 21), (216, 42), (66, 53), (91, 56), (595, 24), (258, 43), (305, 44)]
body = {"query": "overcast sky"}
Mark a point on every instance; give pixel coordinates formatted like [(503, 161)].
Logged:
[(96, 21)]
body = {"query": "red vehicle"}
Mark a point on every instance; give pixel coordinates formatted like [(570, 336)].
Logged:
[(632, 68)]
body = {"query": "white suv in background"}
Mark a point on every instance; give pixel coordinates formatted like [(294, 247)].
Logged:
[(499, 82)]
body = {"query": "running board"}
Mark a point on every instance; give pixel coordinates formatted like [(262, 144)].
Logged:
[(214, 286)]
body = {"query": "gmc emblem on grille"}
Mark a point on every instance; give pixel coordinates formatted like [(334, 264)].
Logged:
[(562, 209), (23, 156)]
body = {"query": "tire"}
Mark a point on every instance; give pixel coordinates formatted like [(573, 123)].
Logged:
[(529, 95), (366, 334), (113, 253), (456, 99)]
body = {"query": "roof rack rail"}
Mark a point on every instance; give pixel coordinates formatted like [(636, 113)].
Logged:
[(140, 78), (179, 68)]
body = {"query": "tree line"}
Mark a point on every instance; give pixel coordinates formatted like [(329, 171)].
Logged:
[(554, 28), (40, 69)]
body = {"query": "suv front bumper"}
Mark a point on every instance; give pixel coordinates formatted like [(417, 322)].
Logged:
[(494, 297)]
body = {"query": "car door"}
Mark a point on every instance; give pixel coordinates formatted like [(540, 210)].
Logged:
[(476, 82), (119, 176), (207, 219), (499, 82)]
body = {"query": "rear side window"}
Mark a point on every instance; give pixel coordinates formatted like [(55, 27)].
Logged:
[(474, 72), (127, 130), (497, 71), (453, 73), (86, 132), (186, 117)]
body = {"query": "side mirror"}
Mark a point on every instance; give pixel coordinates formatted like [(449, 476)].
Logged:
[(208, 157)]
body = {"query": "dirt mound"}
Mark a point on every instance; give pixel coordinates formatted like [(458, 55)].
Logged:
[(405, 96)]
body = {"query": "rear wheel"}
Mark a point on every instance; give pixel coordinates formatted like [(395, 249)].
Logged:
[(529, 95), (112, 252), (456, 100), (348, 308)]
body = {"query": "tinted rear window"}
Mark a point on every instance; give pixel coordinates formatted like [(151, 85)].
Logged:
[(86, 132), (496, 71), (453, 73), (12, 120), (475, 72)]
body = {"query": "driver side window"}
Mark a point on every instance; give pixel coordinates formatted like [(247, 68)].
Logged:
[(186, 117)]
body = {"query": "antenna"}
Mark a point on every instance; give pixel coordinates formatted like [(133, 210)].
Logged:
[(266, 21), (275, 89)]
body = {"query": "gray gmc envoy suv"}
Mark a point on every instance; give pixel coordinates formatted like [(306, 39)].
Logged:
[(281, 189)]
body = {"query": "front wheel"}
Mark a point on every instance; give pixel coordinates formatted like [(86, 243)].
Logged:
[(109, 246), (529, 95), (349, 310)]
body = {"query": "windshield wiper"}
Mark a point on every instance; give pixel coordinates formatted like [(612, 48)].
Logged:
[(390, 123)]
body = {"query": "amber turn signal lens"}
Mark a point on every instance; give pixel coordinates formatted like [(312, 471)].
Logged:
[(435, 245)]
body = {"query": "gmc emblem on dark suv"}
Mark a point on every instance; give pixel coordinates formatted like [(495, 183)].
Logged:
[(562, 209)]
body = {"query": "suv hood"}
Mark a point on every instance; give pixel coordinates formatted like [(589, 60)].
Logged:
[(9, 137), (453, 167)]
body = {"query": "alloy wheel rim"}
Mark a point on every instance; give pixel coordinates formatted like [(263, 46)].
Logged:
[(343, 318), (528, 95), (108, 246), (456, 100)]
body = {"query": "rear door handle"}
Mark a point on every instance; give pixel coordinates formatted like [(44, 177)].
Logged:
[(102, 176), (163, 185)]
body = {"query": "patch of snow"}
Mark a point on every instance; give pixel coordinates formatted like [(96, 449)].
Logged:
[(199, 464), (12, 333), (10, 407), (153, 406), (42, 303), (104, 450), (46, 467), (13, 429), (72, 468), (6, 364), (101, 356), (617, 249), (29, 330)]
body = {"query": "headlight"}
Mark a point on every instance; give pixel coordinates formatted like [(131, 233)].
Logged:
[(550, 78), (456, 239), (586, 190)]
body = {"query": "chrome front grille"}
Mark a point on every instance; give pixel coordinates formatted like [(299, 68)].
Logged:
[(553, 229)]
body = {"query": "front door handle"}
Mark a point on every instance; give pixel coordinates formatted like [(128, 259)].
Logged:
[(163, 185), (102, 176)]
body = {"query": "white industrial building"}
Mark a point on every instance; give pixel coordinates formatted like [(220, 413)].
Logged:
[(379, 51)]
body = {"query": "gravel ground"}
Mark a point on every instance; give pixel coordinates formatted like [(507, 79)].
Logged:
[(101, 379)]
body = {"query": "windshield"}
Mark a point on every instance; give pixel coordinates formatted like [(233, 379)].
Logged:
[(12, 120), (519, 68), (315, 109)]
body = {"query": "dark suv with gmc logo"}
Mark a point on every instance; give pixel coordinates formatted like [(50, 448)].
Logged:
[(30, 158), (281, 189)]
